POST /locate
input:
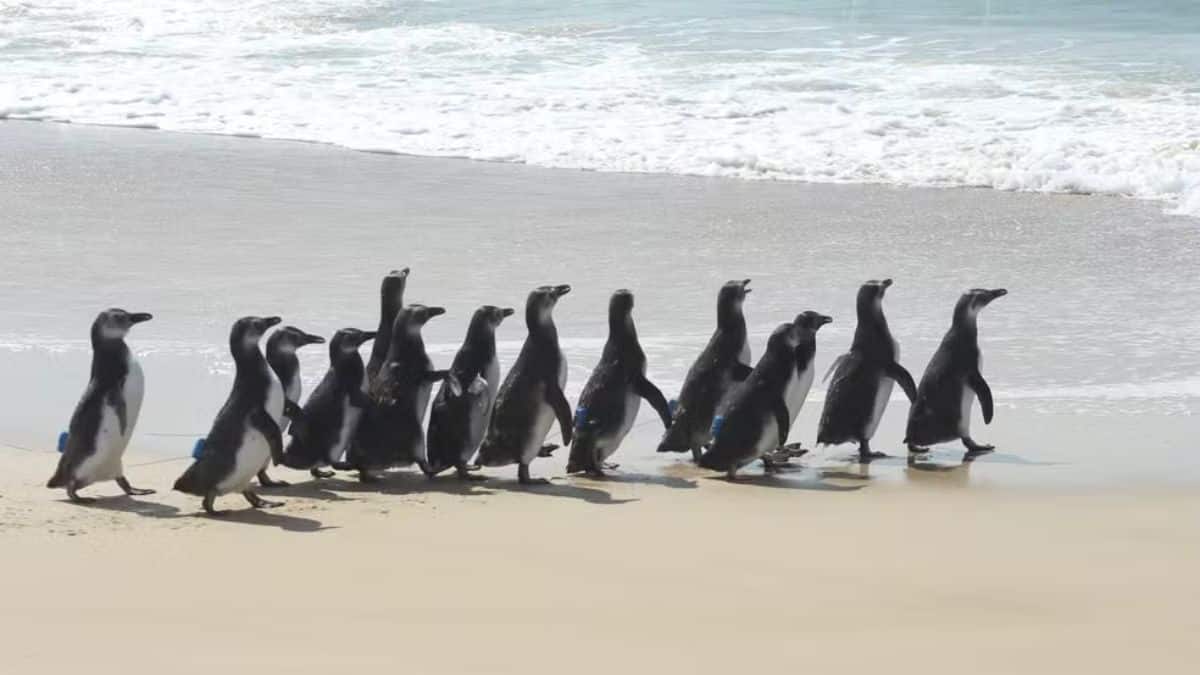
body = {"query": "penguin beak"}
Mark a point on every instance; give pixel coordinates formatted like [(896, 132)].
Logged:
[(886, 283), (367, 336), (507, 312), (822, 320), (271, 321), (997, 293), (140, 317), (313, 339), (562, 290), (436, 311), (746, 286)]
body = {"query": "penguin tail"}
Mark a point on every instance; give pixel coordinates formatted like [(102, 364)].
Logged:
[(58, 480), (675, 439), (189, 483)]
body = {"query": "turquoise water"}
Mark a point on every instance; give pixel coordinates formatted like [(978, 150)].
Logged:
[(1086, 96)]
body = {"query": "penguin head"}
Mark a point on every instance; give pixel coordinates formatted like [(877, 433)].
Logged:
[(493, 315), (731, 297), (976, 299), (414, 316), (248, 330), (288, 339), (539, 307), (391, 290), (784, 339), (870, 295), (347, 341), (114, 323), (811, 321)]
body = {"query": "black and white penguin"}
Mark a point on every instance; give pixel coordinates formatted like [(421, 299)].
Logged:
[(463, 405), (323, 432), (391, 299), (281, 356), (756, 417), (106, 414), (532, 394), (722, 364), (610, 400), (952, 381), (391, 433), (244, 435), (863, 377)]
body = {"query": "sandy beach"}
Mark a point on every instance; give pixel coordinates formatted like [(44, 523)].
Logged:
[(1072, 549), (674, 573)]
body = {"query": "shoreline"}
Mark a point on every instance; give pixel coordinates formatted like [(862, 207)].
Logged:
[(617, 172)]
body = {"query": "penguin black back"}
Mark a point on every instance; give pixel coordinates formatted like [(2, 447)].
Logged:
[(942, 409), (724, 362), (531, 396), (391, 299), (463, 405), (330, 416), (612, 396)]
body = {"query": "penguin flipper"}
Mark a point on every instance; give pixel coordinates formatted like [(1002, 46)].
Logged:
[(261, 421), (782, 418), (900, 375), (983, 392), (834, 366), (558, 401), (646, 389)]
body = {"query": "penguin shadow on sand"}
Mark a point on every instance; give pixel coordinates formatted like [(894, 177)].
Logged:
[(268, 518), (793, 479), (635, 478), (401, 483), (558, 488), (311, 489), (127, 504), (928, 469)]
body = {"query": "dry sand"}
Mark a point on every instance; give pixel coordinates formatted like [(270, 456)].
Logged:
[(678, 572)]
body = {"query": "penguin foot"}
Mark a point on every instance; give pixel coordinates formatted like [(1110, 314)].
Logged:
[(343, 466), (547, 450), (524, 478), (868, 457), (610, 466), (73, 495), (916, 449), (258, 502), (208, 507), (266, 481), (464, 473), (317, 472), (731, 476), (365, 476), (696, 453), (123, 482), (977, 448)]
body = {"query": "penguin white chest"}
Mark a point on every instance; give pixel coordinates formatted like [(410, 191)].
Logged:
[(250, 458), (111, 439), (797, 389), (274, 402), (966, 400), (883, 391)]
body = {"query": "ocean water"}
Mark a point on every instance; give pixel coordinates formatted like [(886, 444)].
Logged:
[(1092, 357), (1081, 96)]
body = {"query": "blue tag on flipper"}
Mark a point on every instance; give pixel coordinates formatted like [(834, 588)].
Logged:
[(673, 406), (198, 448), (718, 422), (62, 441), (580, 417)]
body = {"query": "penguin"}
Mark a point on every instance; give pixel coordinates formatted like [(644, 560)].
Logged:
[(756, 417), (952, 380), (281, 356), (391, 299), (463, 405), (610, 400), (244, 434), (722, 364), (863, 377), (532, 394), (321, 435), (391, 432), (106, 414)]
